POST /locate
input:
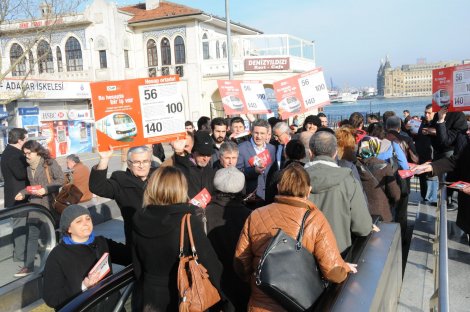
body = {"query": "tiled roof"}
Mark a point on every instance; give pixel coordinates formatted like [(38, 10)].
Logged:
[(165, 10)]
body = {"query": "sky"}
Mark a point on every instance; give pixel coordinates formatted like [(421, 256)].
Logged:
[(352, 36)]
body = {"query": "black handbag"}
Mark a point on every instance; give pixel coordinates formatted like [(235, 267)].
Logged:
[(288, 273)]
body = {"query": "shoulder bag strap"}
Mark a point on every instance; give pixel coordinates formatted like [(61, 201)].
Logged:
[(190, 233), (183, 220), (48, 174), (301, 230)]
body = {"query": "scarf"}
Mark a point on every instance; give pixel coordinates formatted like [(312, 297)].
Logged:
[(69, 241)]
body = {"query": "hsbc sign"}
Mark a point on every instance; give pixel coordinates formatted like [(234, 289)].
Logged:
[(53, 115)]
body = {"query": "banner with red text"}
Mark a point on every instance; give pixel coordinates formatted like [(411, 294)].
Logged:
[(301, 93), (138, 111), (243, 96), (451, 88)]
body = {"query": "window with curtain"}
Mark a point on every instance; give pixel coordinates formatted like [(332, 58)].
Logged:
[(73, 55), (217, 49), (31, 62), (59, 59), (224, 50), (152, 59), (180, 53), (166, 51), (16, 51), (103, 59), (205, 47), (45, 60)]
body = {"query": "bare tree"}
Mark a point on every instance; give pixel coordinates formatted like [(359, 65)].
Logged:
[(30, 22)]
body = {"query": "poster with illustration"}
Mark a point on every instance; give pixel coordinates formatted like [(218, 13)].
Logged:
[(451, 88), (301, 93), (243, 96), (138, 111)]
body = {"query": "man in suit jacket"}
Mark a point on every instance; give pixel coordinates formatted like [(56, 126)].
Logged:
[(256, 175), (14, 173), (13, 166)]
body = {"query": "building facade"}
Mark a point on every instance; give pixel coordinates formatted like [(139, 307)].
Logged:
[(407, 80), (107, 42)]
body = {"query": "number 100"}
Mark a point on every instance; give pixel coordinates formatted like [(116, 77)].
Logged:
[(174, 107)]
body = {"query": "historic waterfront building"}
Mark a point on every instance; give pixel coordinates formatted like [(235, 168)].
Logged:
[(107, 42), (407, 80)]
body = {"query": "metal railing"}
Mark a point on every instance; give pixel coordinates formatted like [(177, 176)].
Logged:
[(439, 301)]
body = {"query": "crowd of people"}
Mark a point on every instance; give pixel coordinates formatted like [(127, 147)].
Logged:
[(259, 179)]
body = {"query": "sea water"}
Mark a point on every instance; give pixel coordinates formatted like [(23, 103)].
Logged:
[(415, 105)]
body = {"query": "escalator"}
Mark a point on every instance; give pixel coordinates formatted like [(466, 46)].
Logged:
[(18, 292)]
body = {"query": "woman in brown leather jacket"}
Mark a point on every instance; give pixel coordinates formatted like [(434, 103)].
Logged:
[(286, 213)]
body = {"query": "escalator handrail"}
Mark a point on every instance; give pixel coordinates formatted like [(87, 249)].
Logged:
[(102, 290)]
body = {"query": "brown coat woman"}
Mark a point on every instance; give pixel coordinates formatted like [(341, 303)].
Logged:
[(286, 213)]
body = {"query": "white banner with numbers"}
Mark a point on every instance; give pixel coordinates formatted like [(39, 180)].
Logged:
[(301, 93), (138, 111)]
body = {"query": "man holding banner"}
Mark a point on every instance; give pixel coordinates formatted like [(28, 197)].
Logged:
[(256, 157)]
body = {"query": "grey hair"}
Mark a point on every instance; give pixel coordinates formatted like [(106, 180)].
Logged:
[(393, 123), (281, 126), (138, 150), (323, 143), (260, 123), (73, 158), (228, 147)]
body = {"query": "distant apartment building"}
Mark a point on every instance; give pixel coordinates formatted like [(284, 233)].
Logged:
[(407, 80)]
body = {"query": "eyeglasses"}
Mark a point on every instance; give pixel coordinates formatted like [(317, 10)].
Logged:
[(139, 163)]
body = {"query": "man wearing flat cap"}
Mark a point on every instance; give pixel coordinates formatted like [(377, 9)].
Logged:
[(196, 166)]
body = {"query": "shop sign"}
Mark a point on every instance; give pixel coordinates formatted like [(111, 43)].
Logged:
[(44, 89), (28, 111), (47, 115), (272, 63), (79, 114)]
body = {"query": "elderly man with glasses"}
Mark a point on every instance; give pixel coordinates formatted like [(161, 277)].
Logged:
[(125, 187)]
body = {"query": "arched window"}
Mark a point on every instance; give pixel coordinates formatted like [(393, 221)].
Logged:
[(205, 47), (180, 54), (31, 62), (58, 54), (16, 52), (45, 61), (224, 50), (166, 51), (152, 59), (217, 49), (73, 55)]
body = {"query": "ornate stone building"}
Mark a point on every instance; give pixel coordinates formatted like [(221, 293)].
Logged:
[(407, 80)]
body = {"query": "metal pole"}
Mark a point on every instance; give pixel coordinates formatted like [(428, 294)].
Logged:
[(229, 40), (443, 256)]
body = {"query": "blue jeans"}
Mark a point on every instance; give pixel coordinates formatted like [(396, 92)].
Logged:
[(432, 189)]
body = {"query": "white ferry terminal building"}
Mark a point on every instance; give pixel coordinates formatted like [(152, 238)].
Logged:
[(106, 42)]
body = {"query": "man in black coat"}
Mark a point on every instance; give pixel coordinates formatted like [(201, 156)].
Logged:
[(196, 166), (223, 221), (126, 187), (13, 166)]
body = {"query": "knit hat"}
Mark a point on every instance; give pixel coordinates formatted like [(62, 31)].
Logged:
[(313, 119), (69, 214), (368, 147), (203, 143), (229, 180)]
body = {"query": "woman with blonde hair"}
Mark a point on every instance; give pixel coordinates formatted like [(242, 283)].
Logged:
[(346, 143), (286, 213), (156, 237)]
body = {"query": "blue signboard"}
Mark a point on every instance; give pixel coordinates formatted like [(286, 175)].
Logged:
[(28, 110)]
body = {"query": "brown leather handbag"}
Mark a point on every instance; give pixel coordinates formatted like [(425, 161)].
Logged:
[(69, 194), (196, 291)]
